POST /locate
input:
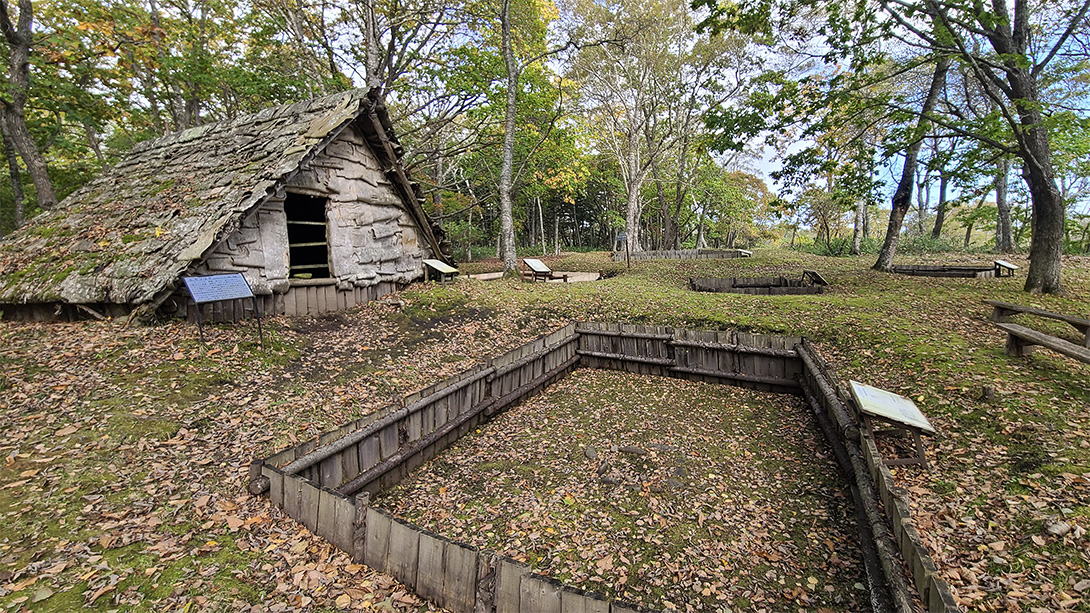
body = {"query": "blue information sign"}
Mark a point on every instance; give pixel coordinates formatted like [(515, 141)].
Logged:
[(217, 287), (214, 288)]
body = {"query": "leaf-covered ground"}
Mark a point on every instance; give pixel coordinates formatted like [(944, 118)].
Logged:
[(125, 449), (125, 452), (662, 492)]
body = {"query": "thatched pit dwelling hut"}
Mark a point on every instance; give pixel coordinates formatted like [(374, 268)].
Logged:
[(308, 201)]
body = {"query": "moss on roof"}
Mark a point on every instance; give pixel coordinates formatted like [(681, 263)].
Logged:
[(128, 235)]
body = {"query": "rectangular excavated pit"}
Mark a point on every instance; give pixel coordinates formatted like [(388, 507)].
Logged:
[(652, 490), (327, 483)]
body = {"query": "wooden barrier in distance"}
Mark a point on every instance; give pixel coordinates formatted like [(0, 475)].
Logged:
[(967, 272), (758, 286), (683, 254)]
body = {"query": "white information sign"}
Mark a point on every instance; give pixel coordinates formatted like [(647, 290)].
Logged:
[(887, 405), (441, 266)]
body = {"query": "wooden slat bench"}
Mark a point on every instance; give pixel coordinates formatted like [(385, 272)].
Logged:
[(534, 269), (1002, 312), (1021, 340), (443, 272), (1004, 268)]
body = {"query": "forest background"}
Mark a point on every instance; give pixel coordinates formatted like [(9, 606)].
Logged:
[(537, 126)]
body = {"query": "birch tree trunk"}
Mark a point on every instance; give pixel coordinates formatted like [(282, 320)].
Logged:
[(507, 224), (860, 221)]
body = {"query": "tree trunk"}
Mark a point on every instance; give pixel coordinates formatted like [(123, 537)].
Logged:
[(902, 197), (700, 242), (1004, 237), (92, 141), (12, 111), (507, 225), (633, 205), (469, 241), (1047, 223), (16, 180), (668, 231), (541, 224), (923, 197), (556, 234), (940, 212), (857, 231)]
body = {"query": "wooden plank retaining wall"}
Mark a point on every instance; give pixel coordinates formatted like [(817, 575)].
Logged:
[(680, 254), (757, 361), (922, 270), (308, 297), (836, 403), (762, 286), (326, 483)]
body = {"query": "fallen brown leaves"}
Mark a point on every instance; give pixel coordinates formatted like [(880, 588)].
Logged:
[(125, 452), (662, 492)]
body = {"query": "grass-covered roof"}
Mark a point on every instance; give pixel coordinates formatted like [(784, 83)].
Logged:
[(128, 235)]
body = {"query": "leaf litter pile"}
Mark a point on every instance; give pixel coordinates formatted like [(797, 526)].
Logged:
[(660, 492)]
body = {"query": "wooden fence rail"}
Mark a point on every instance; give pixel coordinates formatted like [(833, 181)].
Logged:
[(682, 254), (326, 483)]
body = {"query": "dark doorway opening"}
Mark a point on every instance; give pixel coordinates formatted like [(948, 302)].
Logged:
[(308, 242)]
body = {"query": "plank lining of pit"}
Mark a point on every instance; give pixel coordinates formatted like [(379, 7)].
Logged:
[(459, 577)]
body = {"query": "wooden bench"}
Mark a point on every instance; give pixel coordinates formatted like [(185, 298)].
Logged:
[(534, 269), (443, 272), (1002, 312), (1004, 268), (1021, 340)]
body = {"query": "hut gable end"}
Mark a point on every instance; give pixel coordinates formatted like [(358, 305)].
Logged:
[(369, 235)]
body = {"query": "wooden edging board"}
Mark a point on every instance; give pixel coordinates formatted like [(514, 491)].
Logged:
[(762, 286), (928, 270), (461, 578), (683, 254)]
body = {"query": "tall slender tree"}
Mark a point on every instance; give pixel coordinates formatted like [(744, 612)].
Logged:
[(18, 36)]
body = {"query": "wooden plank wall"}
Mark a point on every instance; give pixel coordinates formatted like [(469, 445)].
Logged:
[(382, 448), (298, 300), (323, 511), (463, 579), (680, 254), (757, 361), (762, 286), (980, 272), (933, 590)]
